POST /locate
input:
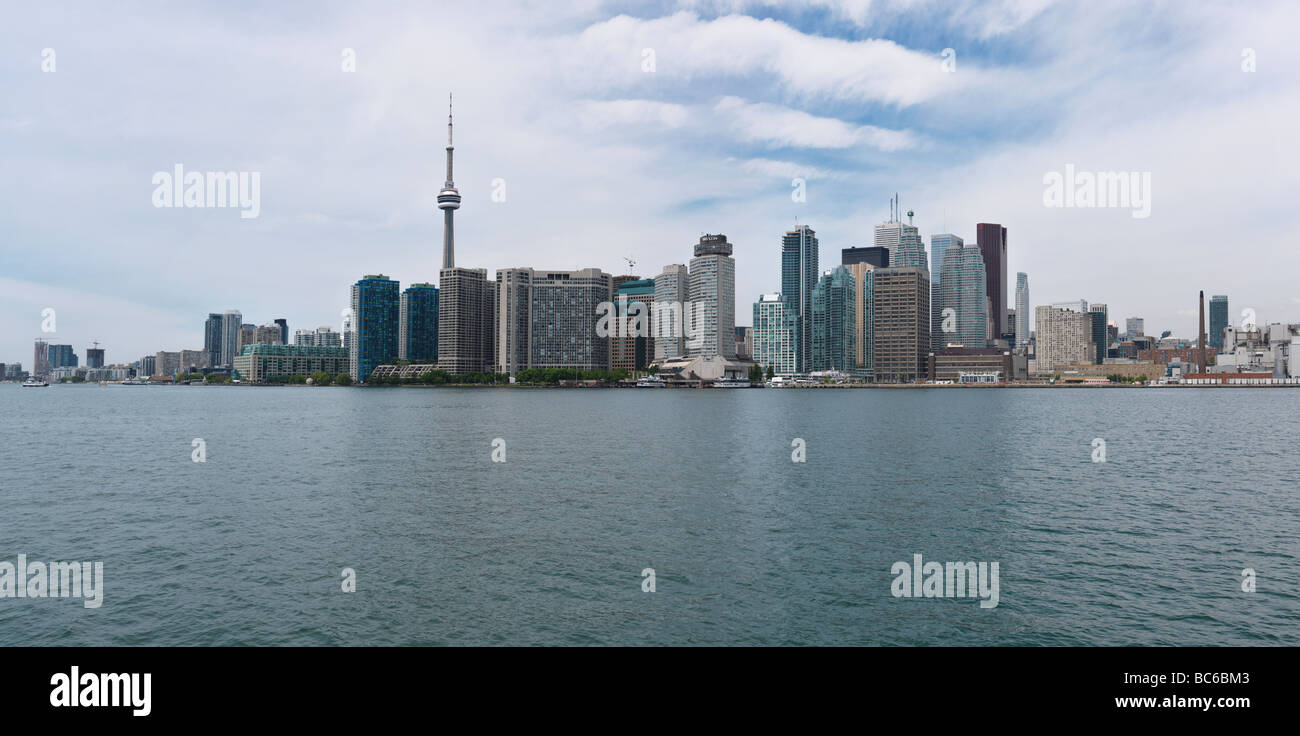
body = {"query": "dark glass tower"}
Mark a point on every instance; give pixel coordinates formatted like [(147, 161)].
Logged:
[(876, 256), (1218, 320), (418, 340), (992, 240), (212, 340), (1099, 336), (799, 273), (375, 309)]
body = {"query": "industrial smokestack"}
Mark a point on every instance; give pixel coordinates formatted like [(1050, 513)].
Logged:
[(1200, 342)]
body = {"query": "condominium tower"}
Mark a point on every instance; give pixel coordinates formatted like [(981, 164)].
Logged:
[(712, 290), (799, 273), (672, 288)]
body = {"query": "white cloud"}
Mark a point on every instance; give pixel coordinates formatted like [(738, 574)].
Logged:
[(783, 126), (688, 48), (597, 115)]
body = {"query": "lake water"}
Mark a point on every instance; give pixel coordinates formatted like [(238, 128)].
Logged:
[(748, 547)]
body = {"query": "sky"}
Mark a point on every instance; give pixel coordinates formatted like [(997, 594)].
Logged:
[(588, 132)]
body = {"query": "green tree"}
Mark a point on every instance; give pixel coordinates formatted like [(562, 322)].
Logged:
[(343, 379)]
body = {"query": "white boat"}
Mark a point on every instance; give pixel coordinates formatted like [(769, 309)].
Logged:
[(135, 382), (731, 382), (651, 382), (34, 381)]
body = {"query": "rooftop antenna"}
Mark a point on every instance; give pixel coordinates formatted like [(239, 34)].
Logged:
[(631, 264)]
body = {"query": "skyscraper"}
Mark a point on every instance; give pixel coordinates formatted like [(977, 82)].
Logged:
[(268, 334), (212, 338), (1134, 327), (62, 356), (635, 350), (417, 326), (1064, 337), (321, 337), (672, 287), (876, 256), (231, 321), (95, 356), (1022, 310), (511, 324), (775, 335), (862, 284), (961, 289), (800, 253), (1218, 320), (562, 308), (904, 243), (835, 346), (713, 290), (375, 309), (466, 299), (247, 335), (992, 240), (284, 330), (41, 359), (939, 244), (900, 319), (1100, 318)]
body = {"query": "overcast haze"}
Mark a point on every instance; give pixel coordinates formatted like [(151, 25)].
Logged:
[(601, 159)]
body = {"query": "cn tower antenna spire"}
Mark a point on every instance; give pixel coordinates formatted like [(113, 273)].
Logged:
[(448, 202)]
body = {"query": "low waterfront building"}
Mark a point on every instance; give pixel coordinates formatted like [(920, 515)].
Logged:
[(1238, 379), (703, 368), (1136, 371), (409, 370), (977, 365), (257, 363)]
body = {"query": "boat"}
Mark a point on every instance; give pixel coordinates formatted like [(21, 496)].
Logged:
[(135, 382), (34, 381), (651, 382), (731, 382)]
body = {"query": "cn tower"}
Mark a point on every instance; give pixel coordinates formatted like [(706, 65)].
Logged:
[(448, 202)]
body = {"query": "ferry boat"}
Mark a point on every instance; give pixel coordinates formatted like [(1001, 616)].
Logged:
[(135, 382), (34, 381), (651, 382), (731, 382)]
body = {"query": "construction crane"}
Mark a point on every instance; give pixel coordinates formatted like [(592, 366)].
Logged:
[(631, 264)]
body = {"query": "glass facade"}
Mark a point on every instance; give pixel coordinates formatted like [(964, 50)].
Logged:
[(962, 288), (375, 310), (835, 322), (1218, 321), (418, 324), (799, 272), (775, 335)]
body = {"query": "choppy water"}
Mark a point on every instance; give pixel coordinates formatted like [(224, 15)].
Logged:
[(747, 546)]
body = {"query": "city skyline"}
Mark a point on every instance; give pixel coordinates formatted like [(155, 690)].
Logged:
[(355, 194)]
